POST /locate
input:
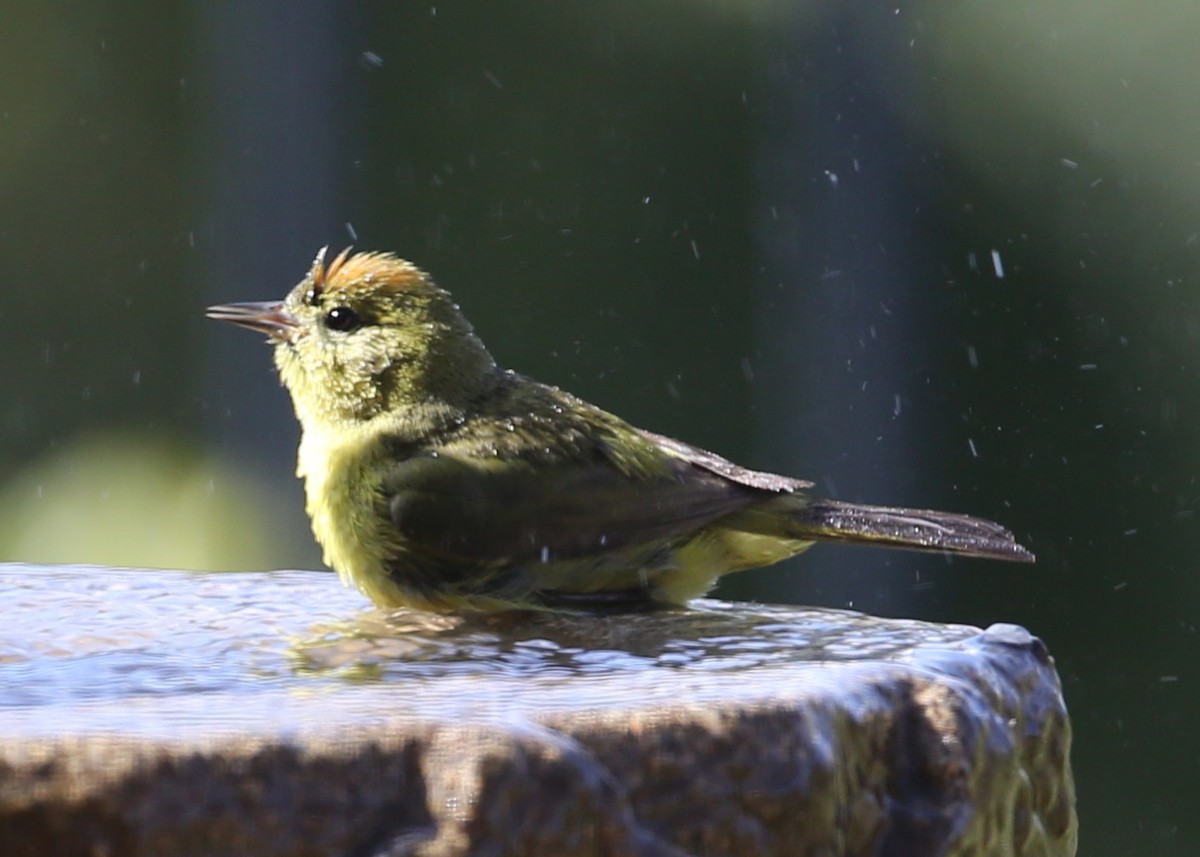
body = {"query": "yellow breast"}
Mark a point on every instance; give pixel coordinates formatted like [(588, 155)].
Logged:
[(341, 484)]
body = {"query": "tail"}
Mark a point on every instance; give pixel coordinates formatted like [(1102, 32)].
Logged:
[(911, 529)]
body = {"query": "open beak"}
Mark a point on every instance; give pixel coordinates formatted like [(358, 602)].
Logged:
[(268, 317)]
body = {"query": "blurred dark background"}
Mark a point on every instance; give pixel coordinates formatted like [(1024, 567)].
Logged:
[(933, 254)]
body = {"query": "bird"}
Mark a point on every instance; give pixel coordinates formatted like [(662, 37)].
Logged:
[(439, 481)]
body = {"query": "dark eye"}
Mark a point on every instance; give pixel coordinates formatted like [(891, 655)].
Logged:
[(342, 319)]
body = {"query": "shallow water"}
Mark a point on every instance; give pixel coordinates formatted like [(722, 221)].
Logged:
[(168, 652)]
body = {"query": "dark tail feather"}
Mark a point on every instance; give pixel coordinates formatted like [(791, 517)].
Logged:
[(912, 529)]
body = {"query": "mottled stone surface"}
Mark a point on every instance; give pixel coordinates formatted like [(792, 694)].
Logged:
[(150, 712)]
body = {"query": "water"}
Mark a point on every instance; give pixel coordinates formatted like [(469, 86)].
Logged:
[(183, 654)]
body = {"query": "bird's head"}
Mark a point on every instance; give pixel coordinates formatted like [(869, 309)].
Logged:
[(368, 334)]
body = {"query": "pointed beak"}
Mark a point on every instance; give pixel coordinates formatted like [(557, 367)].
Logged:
[(269, 318)]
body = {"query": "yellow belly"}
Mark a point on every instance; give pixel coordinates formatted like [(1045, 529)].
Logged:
[(717, 552)]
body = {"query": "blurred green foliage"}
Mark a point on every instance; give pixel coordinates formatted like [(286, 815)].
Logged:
[(125, 500)]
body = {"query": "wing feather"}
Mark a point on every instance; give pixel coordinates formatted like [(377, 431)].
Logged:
[(468, 511)]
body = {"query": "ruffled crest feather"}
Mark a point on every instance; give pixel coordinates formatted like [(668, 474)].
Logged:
[(350, 270)]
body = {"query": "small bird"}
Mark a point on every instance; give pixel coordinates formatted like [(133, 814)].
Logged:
[(439, 481)]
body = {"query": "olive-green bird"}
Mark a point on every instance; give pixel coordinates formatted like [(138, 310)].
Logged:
[(437, 480)]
